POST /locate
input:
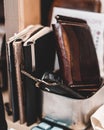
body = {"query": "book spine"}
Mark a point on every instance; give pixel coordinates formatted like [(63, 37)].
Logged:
[(29, 88), (12, 82), (17, 48)]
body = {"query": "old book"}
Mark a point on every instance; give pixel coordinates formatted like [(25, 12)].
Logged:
[(39, 53), (3, 63), (12, 86), (2, 18), (3, 122), (13, 100), (12, 81), (18, 60)]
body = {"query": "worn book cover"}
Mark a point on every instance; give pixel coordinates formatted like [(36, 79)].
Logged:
[(39, 54)]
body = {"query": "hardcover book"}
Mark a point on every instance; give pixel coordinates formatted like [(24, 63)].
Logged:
[(39, 54), (14, 65)]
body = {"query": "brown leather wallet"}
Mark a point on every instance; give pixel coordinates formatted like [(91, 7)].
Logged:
[(76, 52)]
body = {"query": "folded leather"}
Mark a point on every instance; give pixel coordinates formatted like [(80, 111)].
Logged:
[(66, 19), (77, 56)]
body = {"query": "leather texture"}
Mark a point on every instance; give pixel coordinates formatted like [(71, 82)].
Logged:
[(77, 56)]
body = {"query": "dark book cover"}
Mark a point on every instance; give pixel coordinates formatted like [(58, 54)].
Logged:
[(3, 63), (12, 84), (14, 62), (44, 54)]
